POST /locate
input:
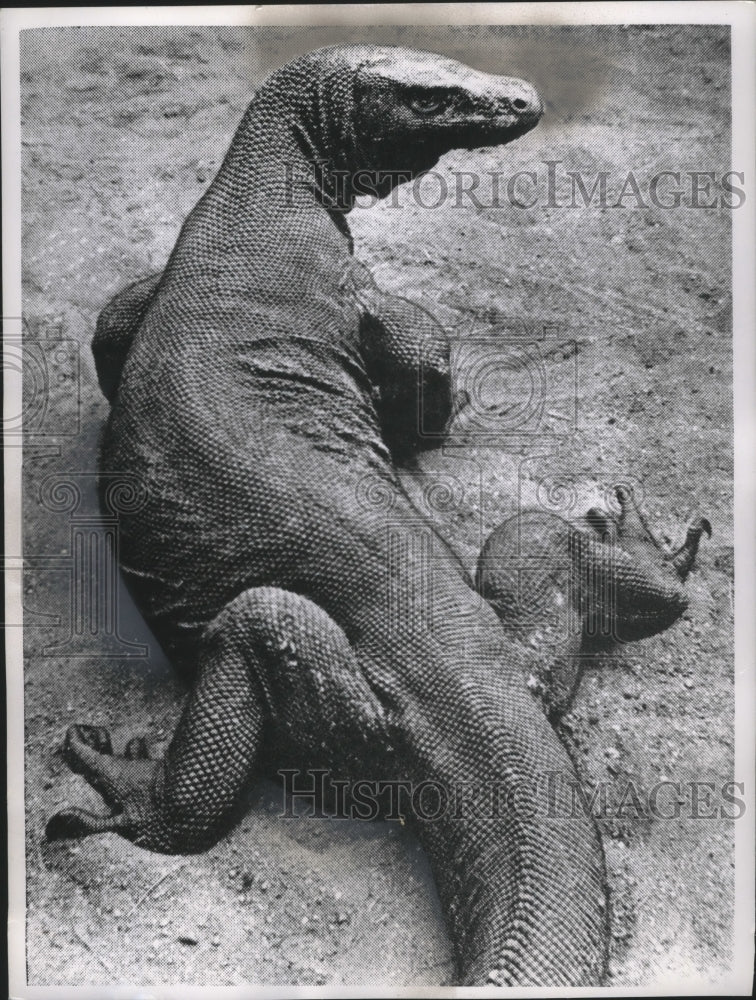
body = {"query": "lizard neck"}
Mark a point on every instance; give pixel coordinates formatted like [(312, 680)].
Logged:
[(297, 142), (284, 184)]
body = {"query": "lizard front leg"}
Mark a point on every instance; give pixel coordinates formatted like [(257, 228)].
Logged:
[(407, 355), (117, 326)]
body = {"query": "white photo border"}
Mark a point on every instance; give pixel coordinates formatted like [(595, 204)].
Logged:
[(742, 18)]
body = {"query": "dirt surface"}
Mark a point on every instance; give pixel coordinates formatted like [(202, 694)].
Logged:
[(122, 131)]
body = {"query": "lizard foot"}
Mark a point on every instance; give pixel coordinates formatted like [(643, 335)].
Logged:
[(124, 782)]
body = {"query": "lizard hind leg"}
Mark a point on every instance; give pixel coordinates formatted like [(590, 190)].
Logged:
[(270, 660), (183, 802)]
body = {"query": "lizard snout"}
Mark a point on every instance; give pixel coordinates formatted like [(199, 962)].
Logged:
[(507, 109), (521, 99)]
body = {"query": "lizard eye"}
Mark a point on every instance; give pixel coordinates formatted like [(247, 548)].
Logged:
[(427, 104)]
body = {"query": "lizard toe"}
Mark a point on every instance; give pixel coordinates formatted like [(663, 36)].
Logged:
[(96, 737), (136, 749), (121, 781), (75, 823)]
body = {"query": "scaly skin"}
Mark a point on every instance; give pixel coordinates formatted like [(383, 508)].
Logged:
[(277, 558)]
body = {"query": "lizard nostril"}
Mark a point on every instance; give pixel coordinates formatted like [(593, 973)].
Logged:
[(519, 104)]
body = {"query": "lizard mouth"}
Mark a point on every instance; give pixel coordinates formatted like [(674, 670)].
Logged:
[(482, 133), (497, 132), (467, 135)]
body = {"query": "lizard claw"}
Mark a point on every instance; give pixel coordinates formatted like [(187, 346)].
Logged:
[(684, 557), (124, 782)]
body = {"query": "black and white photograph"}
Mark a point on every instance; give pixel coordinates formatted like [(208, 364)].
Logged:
[(379, 434)]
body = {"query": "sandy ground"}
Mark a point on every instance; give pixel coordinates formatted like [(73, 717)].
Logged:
[(122, 131)]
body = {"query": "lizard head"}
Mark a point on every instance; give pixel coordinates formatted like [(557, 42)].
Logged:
[(411, 107), (393, 112)]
